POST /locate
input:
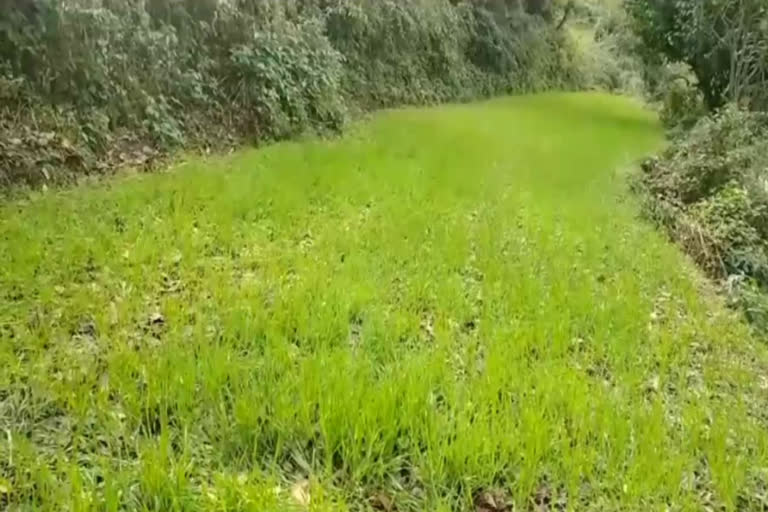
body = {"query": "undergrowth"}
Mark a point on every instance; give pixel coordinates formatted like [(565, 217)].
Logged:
[(710, 191)]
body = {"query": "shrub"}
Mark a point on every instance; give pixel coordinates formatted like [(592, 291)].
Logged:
[(710, 191), (681, 101), (124, 81), (287, 79)]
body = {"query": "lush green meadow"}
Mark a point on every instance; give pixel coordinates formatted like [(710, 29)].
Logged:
[(447, 309)]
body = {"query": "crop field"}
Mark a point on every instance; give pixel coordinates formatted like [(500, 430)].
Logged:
[(449, 309)]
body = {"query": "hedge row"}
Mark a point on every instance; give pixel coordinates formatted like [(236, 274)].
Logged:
[(89, 85)]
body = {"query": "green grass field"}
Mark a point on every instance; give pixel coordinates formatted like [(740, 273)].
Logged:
[(447, 309)]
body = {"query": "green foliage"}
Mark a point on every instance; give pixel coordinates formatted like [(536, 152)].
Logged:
[(709, 188), (747, 295), (606, 48), (288, 79), (711, 191), (400, 52), (725, 43), (120, 80), (682, 103)]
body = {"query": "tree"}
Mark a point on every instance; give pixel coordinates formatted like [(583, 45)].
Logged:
[(723, 41)]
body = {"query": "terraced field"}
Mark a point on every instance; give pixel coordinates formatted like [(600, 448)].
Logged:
[(453, 308)]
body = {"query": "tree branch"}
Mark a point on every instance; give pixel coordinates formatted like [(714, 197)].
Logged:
[(568, 9)]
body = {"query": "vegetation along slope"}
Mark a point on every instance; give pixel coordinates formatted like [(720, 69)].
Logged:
[(447, 309)]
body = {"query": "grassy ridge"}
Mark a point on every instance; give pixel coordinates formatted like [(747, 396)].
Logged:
[(442, 306)]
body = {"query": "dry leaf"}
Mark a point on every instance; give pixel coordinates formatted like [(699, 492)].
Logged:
[(381, 501), (653, 383), (114, 318), (156, 319), (492, 501), (300, 493)]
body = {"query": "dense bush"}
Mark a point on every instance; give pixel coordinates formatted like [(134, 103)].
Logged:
[(710, 190), (288, 79), (89, 84)]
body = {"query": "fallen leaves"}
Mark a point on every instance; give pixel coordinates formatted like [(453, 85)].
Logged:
[(154, 325), (546, 499), (382, 501)]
